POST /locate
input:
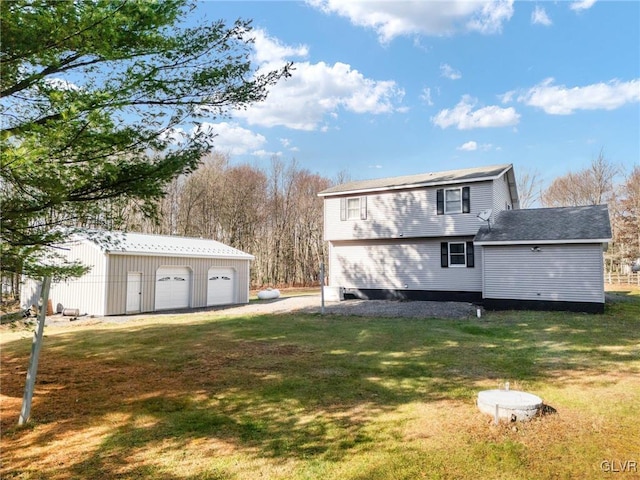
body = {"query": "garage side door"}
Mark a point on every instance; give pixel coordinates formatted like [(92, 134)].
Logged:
[(173, 288), (221, 284)]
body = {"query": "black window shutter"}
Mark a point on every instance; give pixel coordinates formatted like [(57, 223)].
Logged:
[(363, 208), (440, 201), (444, 254), (466, 199), (470, 256), (343, 209)]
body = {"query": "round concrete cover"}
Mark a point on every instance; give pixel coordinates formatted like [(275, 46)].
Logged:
[(522, 405)]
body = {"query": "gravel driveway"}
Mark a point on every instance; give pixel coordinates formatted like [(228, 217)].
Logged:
[(307, 304), (377, 308)]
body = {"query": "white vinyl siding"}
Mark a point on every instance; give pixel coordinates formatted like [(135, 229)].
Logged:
[(406, 214), (501, 195), (398, 264), (568, 273)]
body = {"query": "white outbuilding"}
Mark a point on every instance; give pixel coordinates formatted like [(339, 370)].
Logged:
[(135, 273)]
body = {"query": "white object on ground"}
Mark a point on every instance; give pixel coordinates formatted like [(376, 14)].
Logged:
[(268, 294), (510, 405)]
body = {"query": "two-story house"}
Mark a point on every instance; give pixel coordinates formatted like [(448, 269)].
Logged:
[(429, 237)]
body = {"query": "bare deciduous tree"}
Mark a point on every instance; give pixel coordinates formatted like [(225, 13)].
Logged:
[(592, 186), (627, 218), (529, 186)]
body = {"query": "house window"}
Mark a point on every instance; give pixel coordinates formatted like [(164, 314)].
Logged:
[(453, 200), (457, 254), (353, 208)]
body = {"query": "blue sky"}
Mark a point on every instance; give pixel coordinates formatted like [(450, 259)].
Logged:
[(395, 88)]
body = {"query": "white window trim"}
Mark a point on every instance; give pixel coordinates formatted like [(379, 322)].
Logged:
[(446, 210), (464, 254)]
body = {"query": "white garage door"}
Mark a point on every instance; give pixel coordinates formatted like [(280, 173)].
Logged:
[(221, 286), (173, 287)]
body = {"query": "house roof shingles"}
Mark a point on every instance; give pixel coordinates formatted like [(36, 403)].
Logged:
[(420, 180), (550, 225)]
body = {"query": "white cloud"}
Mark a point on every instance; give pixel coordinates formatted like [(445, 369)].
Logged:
[(315, 91), (266, 153), (508, 96), (449, 72), (426, 96), (270, 51), (491, 17), (318, 90), (468, 146), (286, 143), (539, 16), (562, 100), (231, 138), (61, 84), (463, 117), (580, 5), (472, 146), (393, 19)]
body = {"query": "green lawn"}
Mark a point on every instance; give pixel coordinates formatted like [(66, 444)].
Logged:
[(204, 396)]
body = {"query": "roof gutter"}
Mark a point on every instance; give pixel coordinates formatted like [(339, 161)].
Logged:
[(541, 242)]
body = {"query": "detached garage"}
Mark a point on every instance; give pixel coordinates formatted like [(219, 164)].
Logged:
[(545, 259), (134, 273)]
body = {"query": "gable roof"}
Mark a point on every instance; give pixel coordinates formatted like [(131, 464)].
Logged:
[(421, 180), (589, 224), (127, 243)]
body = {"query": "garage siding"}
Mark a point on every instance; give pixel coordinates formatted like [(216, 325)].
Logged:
[(556, 273), (119, 265), (400, 265), (86, 293)]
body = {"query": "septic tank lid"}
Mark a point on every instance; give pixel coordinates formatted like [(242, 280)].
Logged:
[(509, 404)]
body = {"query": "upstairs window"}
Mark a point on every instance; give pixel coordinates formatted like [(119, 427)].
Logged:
[(453, 200), (353, 208)]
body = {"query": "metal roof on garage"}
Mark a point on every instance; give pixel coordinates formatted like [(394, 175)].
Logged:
[(128, 243)]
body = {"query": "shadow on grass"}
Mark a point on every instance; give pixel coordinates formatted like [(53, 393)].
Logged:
[(301, 386)]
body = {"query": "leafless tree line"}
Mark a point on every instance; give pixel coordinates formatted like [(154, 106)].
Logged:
[(273, 213)]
